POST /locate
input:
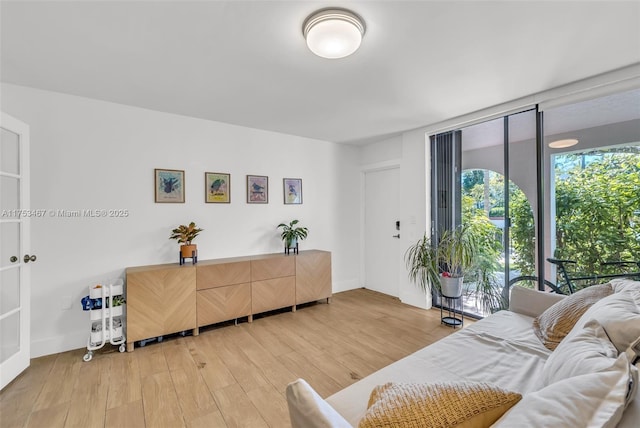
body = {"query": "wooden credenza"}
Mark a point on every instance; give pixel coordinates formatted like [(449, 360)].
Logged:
[(160, 300), (169, 298)]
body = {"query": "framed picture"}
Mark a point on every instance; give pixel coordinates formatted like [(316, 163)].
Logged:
[(292, 191), (169, 185), (217, 187), (257, 189)]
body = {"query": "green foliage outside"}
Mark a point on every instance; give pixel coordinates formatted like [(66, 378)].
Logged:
[(482, 276), (597, 210), (523, 232)]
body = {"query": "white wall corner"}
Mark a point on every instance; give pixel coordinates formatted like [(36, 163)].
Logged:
[(351, 284), (416, 297)]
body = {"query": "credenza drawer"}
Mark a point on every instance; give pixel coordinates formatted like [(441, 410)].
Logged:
[(223, 303), (273, 294), (222, 274)]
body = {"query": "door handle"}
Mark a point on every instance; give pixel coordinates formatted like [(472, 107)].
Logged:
[(13, 259), (29, 258), (397, 236)]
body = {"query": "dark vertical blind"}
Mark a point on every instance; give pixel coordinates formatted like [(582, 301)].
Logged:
[(540, 197), (446, 172)]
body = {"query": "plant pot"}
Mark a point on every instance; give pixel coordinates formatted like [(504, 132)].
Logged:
[(291, 245), (188, 250), (451, 286)]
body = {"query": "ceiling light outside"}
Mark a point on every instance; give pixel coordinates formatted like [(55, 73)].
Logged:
[(561, 144), (333, 32)]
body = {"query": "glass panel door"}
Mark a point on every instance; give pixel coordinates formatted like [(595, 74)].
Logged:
[(14, 226), (499, 190), (483, 205)]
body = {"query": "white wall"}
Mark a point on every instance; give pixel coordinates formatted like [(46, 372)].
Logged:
[(89, 154), (415, 195)]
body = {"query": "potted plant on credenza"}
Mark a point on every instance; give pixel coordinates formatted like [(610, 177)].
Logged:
[(291, 235), (185, 234)]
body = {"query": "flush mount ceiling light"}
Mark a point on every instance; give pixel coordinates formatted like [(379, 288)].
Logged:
[(561, 144), (333, 32)]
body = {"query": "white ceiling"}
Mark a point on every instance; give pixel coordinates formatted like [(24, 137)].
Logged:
[(246, 63)]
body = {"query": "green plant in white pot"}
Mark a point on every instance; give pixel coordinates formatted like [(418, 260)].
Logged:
[(443, 265), (291, 234)]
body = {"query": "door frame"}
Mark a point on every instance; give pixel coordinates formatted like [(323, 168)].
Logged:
[(18, 362)]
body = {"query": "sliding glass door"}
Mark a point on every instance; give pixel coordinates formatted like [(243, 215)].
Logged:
[(496, 179), (483, 175)]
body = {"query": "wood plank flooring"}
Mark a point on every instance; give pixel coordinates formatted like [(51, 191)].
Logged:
[(228, 376)]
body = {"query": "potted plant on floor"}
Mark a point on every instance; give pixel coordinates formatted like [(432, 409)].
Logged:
[(185, 234), (443, 265), (291, 235)]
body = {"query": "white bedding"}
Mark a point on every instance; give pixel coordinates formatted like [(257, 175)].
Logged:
[(501, 349)]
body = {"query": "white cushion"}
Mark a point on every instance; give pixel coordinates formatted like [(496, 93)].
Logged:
[(530, 302), (624, 284), (619, 314), (308, 410), (588, 400), (584, 350)]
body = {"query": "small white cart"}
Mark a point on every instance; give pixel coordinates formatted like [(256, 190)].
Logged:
[(107, 321)]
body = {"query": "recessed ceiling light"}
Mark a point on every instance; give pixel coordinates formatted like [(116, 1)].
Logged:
[(561, 144), (333, 32)]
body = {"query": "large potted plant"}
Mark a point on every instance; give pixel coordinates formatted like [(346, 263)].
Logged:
[(443, 265), (291, 235), (185, 234)]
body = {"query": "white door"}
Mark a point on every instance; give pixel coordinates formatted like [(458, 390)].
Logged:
[(381, 236), (15, 256)]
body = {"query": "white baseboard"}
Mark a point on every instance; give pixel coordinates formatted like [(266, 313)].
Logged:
[(55, 345)]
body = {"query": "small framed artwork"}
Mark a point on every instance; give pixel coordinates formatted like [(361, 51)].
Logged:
[(257, 189), (217, 187), (169, 185), (292, 191)]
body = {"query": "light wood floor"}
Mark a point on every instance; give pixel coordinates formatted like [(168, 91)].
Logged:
[(228, 376)]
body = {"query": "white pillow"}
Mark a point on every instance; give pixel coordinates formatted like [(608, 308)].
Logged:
[(624, 284), (530, 302), (308, 410), (619, 315), (584, 350), (589, 400)]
